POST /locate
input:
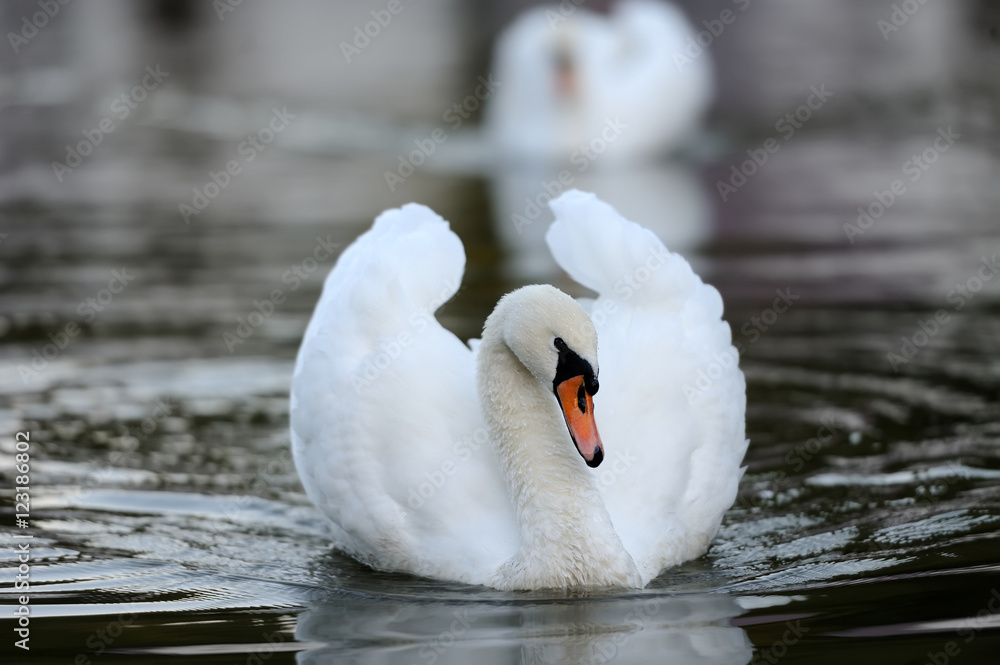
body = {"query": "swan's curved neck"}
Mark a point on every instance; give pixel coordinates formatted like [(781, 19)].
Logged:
[(567, 537)]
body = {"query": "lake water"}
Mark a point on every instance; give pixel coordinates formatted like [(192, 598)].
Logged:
[(167, 520)]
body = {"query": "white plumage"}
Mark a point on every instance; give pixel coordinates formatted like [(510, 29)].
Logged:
[(395, 445), (572, 79)]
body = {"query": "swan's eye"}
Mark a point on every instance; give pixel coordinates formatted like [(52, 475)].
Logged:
[(581, 399), (570, 364)]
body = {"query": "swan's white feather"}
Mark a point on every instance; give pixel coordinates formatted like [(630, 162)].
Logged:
[(674, 442), (364, 442)]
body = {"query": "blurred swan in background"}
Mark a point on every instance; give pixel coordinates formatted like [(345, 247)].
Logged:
[(569, 76), (595, 102)]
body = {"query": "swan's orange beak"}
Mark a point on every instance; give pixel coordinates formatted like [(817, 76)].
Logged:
[(578, 408), (565, 80)]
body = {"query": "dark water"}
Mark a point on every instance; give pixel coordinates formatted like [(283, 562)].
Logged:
[(166, 517)]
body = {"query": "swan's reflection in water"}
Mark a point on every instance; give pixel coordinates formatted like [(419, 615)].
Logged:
[(495, 628), (666, 198)]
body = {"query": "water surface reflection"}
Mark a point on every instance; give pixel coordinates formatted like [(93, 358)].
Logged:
[(692, 628)]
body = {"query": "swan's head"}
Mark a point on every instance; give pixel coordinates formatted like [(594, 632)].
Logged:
[(555, 340)]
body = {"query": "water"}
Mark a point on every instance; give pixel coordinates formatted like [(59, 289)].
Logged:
[(167, 519)]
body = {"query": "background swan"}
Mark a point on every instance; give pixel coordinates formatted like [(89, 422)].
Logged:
[(570, 77), (420, 471)]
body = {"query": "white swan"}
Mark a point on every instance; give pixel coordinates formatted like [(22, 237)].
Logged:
[(485, 466), (580, 86)]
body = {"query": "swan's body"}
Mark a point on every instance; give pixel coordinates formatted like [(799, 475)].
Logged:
[(570, 78), (442, 461)]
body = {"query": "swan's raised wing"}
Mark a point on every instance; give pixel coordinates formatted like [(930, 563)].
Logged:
[(671, 409), (387, 432)]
